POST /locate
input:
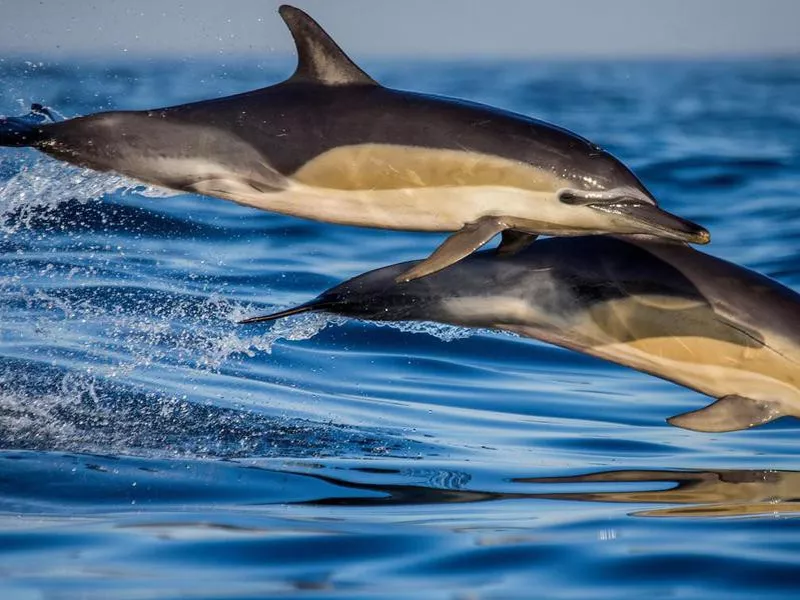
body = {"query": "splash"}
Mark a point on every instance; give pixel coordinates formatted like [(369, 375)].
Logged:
[(122, 332), (446, 333), (186, 332), (34, 185), (48, 409), (115, 356)]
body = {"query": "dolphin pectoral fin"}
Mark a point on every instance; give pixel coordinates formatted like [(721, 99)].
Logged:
[(729, 413), (459, 245), (513, 241)]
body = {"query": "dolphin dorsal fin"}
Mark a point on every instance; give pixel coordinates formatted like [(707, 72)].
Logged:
[(319, 58)]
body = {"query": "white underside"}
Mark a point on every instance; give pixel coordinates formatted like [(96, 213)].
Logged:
[(415, 209), (387, 187)]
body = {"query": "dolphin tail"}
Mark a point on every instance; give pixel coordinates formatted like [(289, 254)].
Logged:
[(313, 306), (25, 130)]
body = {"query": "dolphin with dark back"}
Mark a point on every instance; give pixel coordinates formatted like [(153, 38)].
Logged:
[(661, 308), (331, 144)]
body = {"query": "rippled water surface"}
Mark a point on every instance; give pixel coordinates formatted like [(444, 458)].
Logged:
[(153, 448)]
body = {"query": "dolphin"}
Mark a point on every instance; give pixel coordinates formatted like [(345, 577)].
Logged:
[(331, 144), (662, 308)]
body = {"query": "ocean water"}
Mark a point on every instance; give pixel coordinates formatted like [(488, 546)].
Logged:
[(151, 448)]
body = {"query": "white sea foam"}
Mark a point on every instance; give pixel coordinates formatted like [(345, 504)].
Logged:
[(105, 340), (196, 334), (38, 184), (82, 413), (446, 333)]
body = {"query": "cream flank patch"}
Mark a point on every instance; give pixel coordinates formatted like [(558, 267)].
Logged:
[(389, 187), (392, 167), (713, 367), (708, 353), (628, 333), (418, 209), (399, 187), (418, 189)]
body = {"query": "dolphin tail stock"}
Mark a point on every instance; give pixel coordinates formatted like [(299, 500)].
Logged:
[(313, 306), (25, 130)]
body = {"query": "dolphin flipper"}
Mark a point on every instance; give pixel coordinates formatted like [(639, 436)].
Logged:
[(729, 413), (459, 245), (514, 241)]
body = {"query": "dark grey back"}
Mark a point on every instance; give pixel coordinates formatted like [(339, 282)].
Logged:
[(294, 122), (291, 123)]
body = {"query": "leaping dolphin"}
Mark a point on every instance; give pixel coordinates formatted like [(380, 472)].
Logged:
[(331, 144), (661, 308)]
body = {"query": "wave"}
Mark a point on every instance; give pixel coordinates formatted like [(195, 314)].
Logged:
[(50, 408)]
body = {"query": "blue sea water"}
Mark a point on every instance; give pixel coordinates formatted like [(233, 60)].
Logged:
[(151, 448)]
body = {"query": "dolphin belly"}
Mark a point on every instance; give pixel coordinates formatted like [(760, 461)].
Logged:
[(713, 367), (688, 341), (412, 209), (680, 338)]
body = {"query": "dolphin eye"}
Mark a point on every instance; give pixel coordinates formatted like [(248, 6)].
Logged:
[(570, 197), (567, 197)]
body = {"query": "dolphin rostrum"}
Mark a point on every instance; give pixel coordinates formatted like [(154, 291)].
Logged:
[(661, 308), (331, 144)]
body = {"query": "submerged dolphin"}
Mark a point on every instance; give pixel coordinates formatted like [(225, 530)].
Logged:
[(331, 144), (661, 308)]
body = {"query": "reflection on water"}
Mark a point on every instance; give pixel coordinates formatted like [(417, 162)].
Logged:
[(724, 493), (727, 493)]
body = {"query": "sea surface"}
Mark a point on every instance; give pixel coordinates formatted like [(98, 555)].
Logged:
[(151, 448)]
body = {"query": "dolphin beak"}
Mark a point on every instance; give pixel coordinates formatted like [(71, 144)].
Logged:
[(649, 218)]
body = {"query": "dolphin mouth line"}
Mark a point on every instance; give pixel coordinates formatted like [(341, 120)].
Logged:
[(656, 220)]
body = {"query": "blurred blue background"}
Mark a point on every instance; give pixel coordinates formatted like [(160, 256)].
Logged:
[(117, 29)]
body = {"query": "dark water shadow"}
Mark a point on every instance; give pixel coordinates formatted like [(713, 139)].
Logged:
[(713, 493)]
